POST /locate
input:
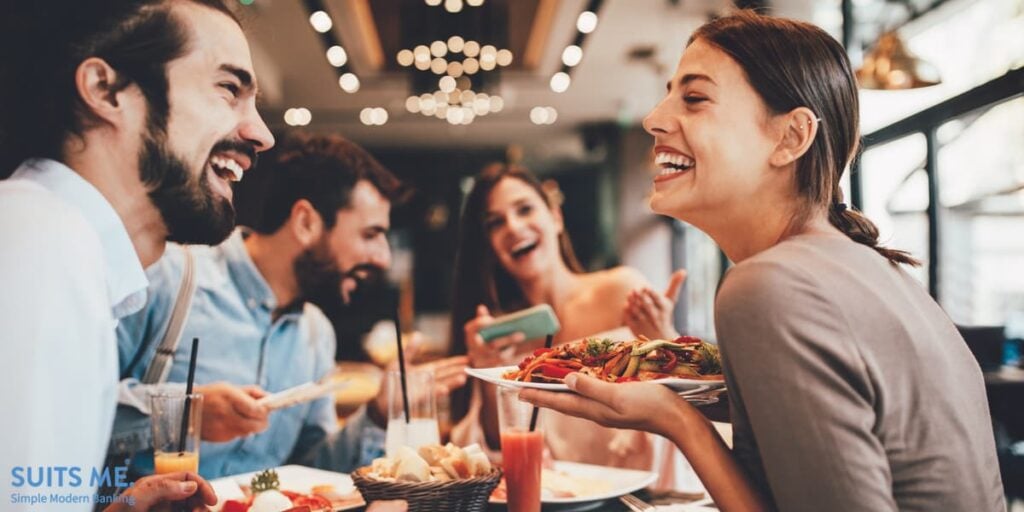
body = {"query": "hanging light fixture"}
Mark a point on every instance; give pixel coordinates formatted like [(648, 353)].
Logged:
[(890, 66)]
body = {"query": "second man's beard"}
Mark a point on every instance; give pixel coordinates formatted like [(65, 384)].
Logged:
[(317, 275), (319, 278)]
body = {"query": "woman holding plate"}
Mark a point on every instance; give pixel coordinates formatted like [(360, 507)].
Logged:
[(850, 388)]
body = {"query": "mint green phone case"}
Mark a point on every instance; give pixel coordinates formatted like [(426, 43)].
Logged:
[(535, 322)]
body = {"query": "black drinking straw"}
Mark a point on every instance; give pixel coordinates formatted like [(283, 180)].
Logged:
[(533, 416), (188, 393), (401, 357)]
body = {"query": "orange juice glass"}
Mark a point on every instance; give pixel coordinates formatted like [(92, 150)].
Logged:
[(168, 414), (521, 451), (175, 462)]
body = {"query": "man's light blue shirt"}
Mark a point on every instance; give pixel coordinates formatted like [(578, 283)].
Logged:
[(242, 343)]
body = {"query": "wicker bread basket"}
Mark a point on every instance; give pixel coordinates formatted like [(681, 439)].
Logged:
[(464, 495)]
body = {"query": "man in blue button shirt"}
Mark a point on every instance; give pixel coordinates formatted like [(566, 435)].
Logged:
[(324, 222)]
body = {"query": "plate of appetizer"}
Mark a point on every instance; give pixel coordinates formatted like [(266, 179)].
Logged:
[(286, 488), (684, 364)]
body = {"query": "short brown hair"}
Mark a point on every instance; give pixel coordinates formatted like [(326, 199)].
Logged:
[(322, 169)]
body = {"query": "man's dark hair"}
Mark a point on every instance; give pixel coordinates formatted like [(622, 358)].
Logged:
[(42, 45), (322, 169)]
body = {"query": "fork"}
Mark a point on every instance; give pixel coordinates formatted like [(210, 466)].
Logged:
[(636, 504)]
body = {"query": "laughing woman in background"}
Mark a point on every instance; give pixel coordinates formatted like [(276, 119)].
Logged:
[(514, 253)]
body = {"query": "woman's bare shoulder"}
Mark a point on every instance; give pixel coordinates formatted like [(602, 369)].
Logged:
[(615, 282)]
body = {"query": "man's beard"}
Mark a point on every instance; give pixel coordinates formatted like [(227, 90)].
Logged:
[(319, 279), (192, 212)]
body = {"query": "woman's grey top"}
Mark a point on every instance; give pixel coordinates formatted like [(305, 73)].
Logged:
[(850, 388)]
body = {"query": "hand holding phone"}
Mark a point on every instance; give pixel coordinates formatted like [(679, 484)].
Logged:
[(535, 323)]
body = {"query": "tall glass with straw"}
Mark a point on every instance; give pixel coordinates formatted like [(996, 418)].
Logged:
[(177, 424), (412, 403), (522, 449)]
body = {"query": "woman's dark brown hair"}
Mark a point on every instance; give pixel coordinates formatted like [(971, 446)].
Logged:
[(792, 64), (479, 277)]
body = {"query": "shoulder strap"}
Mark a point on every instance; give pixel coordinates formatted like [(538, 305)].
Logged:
[(160, 366)]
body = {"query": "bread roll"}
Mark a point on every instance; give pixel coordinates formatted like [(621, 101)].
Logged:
[(411, 467)]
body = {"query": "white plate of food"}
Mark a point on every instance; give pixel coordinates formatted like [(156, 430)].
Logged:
[(683, 364), (574, 483), (317, 488), (495, 376)]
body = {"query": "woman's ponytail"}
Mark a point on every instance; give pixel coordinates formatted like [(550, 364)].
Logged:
[(863, 231)]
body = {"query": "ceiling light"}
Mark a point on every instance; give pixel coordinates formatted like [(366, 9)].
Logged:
[(539, 115), (455, 44), (497, 103), (446, 84), (560, 81), (552, 115), (468, 115), (543, 115), (349, 82), (413, 104), (373, 116), (471, 49), (481, 104), (455, 115), (586, 22), (321, 21), (453, 6), (421, 53), (439, 66), (488, 53), (336, 56), (468, 96), (470, 66), (474, 3), (427, 102), (438, 48), (289, 117), (455, 68), (572, 55), (890, 66), (405, 58), (504, 57), (433, 3), (487, 65)]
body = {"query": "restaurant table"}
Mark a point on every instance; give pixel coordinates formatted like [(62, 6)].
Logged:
[(1005, 388), (613, 505)]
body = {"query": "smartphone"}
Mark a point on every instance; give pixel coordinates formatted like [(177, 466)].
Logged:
[(535, 322)]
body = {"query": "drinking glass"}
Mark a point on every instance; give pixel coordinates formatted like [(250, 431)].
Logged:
[(168, 415), (522, 451), (422, 427)]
